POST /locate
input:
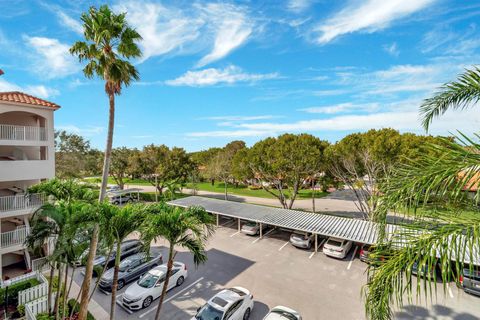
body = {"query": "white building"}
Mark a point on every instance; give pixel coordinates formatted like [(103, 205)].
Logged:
[(27, 156)]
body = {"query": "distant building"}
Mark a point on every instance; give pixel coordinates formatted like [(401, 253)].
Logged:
[(27, 156)]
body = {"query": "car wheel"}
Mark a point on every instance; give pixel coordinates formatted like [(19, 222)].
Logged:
[(120, 284), (147, 302), (246, 315), (180, 281)]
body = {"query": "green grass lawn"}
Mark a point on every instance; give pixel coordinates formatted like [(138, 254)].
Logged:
[(139, 182), (245, 191)]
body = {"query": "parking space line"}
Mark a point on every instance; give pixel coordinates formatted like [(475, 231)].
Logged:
[(450, 292), (120, 304), (319, 246), (263, 235), (283, 246), (353, 257), (232, 235), (173, 297), (228, 224)]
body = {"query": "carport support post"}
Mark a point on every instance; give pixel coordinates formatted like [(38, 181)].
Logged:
[(316, 243), (261, 231), (218, 219), (239, 225)]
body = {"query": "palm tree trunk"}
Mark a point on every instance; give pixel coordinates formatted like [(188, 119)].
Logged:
[(167, 280), (100, 276), (93, 245), (313, 196), (65, 291), (226, 189), (50, 288), (59, 289), (74, 268), (115, 280)]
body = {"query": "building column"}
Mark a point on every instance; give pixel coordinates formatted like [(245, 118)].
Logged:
[(1, 268), (28, 260)]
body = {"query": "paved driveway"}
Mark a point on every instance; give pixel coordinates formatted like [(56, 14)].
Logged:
[(278, 274)]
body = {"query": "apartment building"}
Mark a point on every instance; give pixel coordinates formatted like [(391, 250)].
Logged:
[(27, 156)]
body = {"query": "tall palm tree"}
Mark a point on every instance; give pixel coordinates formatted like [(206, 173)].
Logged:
[(459, 94), (436, 191), (124, 222), (186, 228), (109, 43)]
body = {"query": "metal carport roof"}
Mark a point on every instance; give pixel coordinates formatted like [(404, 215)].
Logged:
[(332, 226)]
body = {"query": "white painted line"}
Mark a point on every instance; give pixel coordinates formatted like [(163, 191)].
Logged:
[(228, 224), (232, 235), (319, 245), (119, 302), (283, 245), (450, 291), (353, 257), (311, 255), (254, 241), (173, 297)]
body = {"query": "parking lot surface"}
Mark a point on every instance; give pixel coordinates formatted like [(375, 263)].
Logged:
[(276, 273)]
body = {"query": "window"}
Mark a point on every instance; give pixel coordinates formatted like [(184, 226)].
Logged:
[(231, 311)]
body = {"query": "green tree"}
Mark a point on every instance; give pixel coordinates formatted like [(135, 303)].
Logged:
[(70, 153), (187, 228), (285, 163), (440, 189), (120, 165), (109, 43), (202, 160)]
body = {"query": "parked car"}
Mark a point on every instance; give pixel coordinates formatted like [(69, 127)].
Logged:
[(282, 313), (337, 248), (130, 268), (120, 199), (302, 240), (233, 304), (365, 254), (427, 271), (470, 280), (113, 188), (252, 228), (141, 294)]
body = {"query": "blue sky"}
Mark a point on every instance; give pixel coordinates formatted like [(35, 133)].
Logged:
[(212, 72)]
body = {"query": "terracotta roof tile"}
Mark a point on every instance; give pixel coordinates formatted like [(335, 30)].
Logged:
[(20, 97)]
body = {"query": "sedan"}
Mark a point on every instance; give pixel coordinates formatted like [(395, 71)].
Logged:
[(337, 248), (142, 293), (253, 228), (470, 280), (233, 304), (130, 269), (302, 240), (282, 313)]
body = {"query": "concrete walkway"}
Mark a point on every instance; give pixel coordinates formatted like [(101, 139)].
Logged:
[(93, 307)]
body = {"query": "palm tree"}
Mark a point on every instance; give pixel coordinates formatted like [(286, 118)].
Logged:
[(124, 222), (435, 191), (110, 42), (187, 228), (458, 94)]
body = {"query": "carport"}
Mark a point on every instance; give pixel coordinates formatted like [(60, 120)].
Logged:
[(125, 192), (355, 230)]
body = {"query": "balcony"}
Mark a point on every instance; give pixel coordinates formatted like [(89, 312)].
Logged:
[(22, 133), (27, 170), (30, 201), (14, 238)]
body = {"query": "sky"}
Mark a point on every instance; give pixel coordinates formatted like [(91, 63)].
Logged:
[(216, 71)]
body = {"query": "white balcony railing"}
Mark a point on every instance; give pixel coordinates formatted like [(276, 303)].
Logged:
[(23, 133), (15, 237), (21, 202)]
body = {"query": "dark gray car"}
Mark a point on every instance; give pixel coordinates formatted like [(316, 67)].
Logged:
[(130, 269), (471, 281), (128, 247)]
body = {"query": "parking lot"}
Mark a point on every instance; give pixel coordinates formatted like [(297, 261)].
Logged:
[(276, 273)]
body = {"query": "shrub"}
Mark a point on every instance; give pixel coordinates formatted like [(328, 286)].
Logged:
[(14, 289), (21, 310), (73, 304)]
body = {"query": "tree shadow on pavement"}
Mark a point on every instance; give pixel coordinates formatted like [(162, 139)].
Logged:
[(434, 312)]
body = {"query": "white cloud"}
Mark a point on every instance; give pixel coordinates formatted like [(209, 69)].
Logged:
[(40, 91), (52, 59), (232, 28), (69, 22), (212, 76), (163, 29), (368, 16), (84, 131), (342, 108), (392, 49), (298, 6)]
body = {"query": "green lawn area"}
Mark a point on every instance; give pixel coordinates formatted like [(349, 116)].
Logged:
[(245, 191), (466, 214), (139, 182)]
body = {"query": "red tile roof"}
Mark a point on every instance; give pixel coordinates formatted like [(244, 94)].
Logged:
[(20, 97)]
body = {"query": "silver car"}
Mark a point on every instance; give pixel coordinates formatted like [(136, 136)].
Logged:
[(302, 240), (282, 313), (470, 281), (252, 228)]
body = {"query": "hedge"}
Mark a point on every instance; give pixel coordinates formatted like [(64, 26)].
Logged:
[(14, 289)]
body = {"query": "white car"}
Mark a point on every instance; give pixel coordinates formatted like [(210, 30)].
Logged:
[(141, 293), (337, 248), (252, 228), (233, 304), (282, 313)]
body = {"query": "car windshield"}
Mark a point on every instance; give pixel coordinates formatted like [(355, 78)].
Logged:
[(208, 312), (251, 224), (299, 236), (283, 315), (334, 243), (148, 280)]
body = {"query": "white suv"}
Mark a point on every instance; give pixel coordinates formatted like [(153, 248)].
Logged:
[(233, 304), (282, 313), (337, 248)]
